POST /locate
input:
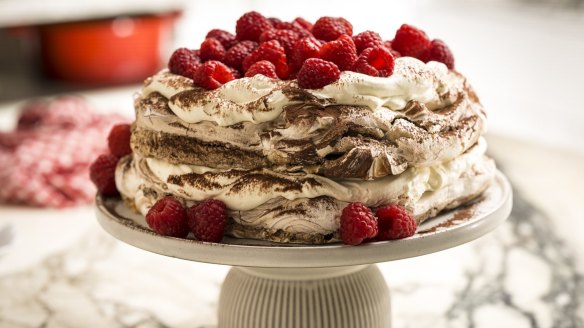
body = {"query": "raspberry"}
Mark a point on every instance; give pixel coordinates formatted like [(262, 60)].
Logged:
[(410, 41), (357, 224), (103, 174), (168, 218), (236, 73), (212, 74), (366, 40), (263, 67), (184, 62), (251, 25), (274, 21), (227, 39), (330, 28), (302, 32), (302, 50), (304, 23), (395, 222), (212, 49), (236, 54), (375, 61), (287, 38), (208, 220), (438, 51), (342, 52), (395, 53), (271, 51), (316, 73), (118, 140)]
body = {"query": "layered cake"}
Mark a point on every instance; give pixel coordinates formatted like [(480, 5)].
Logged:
[(301, 133)]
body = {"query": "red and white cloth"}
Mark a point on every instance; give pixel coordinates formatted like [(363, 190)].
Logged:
[(45, 160)]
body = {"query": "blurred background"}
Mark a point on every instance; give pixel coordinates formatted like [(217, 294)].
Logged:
[(524, 57)]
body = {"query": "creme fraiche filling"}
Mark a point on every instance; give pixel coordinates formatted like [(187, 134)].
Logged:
[(260, 99)]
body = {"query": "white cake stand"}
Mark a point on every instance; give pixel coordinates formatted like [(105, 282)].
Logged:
[(285, 286)]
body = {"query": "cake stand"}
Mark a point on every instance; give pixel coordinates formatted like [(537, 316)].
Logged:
[(275, 285)]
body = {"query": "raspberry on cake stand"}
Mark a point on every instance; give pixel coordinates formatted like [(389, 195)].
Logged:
[(334, 285)]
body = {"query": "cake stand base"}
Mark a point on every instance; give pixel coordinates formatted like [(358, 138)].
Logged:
[(352, 296)]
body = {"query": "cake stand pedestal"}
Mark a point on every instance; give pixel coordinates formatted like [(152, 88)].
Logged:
[(324, 286), (352, 296)]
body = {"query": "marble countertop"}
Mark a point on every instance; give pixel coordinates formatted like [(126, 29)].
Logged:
[(59, 269)]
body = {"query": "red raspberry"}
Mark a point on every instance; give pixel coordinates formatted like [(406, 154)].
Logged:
[(304, 23), (287, 38), (410, 41), (302, 32), (263, 67), (236, 73), (366, 40), (342, 52), (375, 61), (330, 28), (227, 39), (118, 140), (103, 174), (357, 224), (395, 222), (316, 73), (395, 53), (184, 62), (235, 56), (212, 74), (208, 220), (274, 21), (212, 49), (251, 25), (271, 51), (438, 51), (168, 218), (302, 50)]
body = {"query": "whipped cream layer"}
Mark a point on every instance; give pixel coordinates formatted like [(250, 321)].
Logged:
[(261, 99)]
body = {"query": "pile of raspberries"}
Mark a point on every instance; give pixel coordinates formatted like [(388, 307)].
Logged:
[(314, 54)]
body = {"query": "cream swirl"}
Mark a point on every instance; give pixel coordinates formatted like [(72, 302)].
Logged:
[(260, 99)]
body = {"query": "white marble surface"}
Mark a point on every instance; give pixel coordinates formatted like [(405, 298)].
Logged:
[(62, 270)]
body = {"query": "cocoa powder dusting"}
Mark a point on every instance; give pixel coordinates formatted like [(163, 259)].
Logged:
[(461, 214)]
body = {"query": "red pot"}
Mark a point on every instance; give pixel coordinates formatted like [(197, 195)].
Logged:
[(108, 51)]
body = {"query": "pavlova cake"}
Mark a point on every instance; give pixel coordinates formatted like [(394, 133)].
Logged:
[(300, 133)]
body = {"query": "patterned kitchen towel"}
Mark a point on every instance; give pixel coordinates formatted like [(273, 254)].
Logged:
[(45, 161)]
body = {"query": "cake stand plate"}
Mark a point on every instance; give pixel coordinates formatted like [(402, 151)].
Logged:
[(333, 285)]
